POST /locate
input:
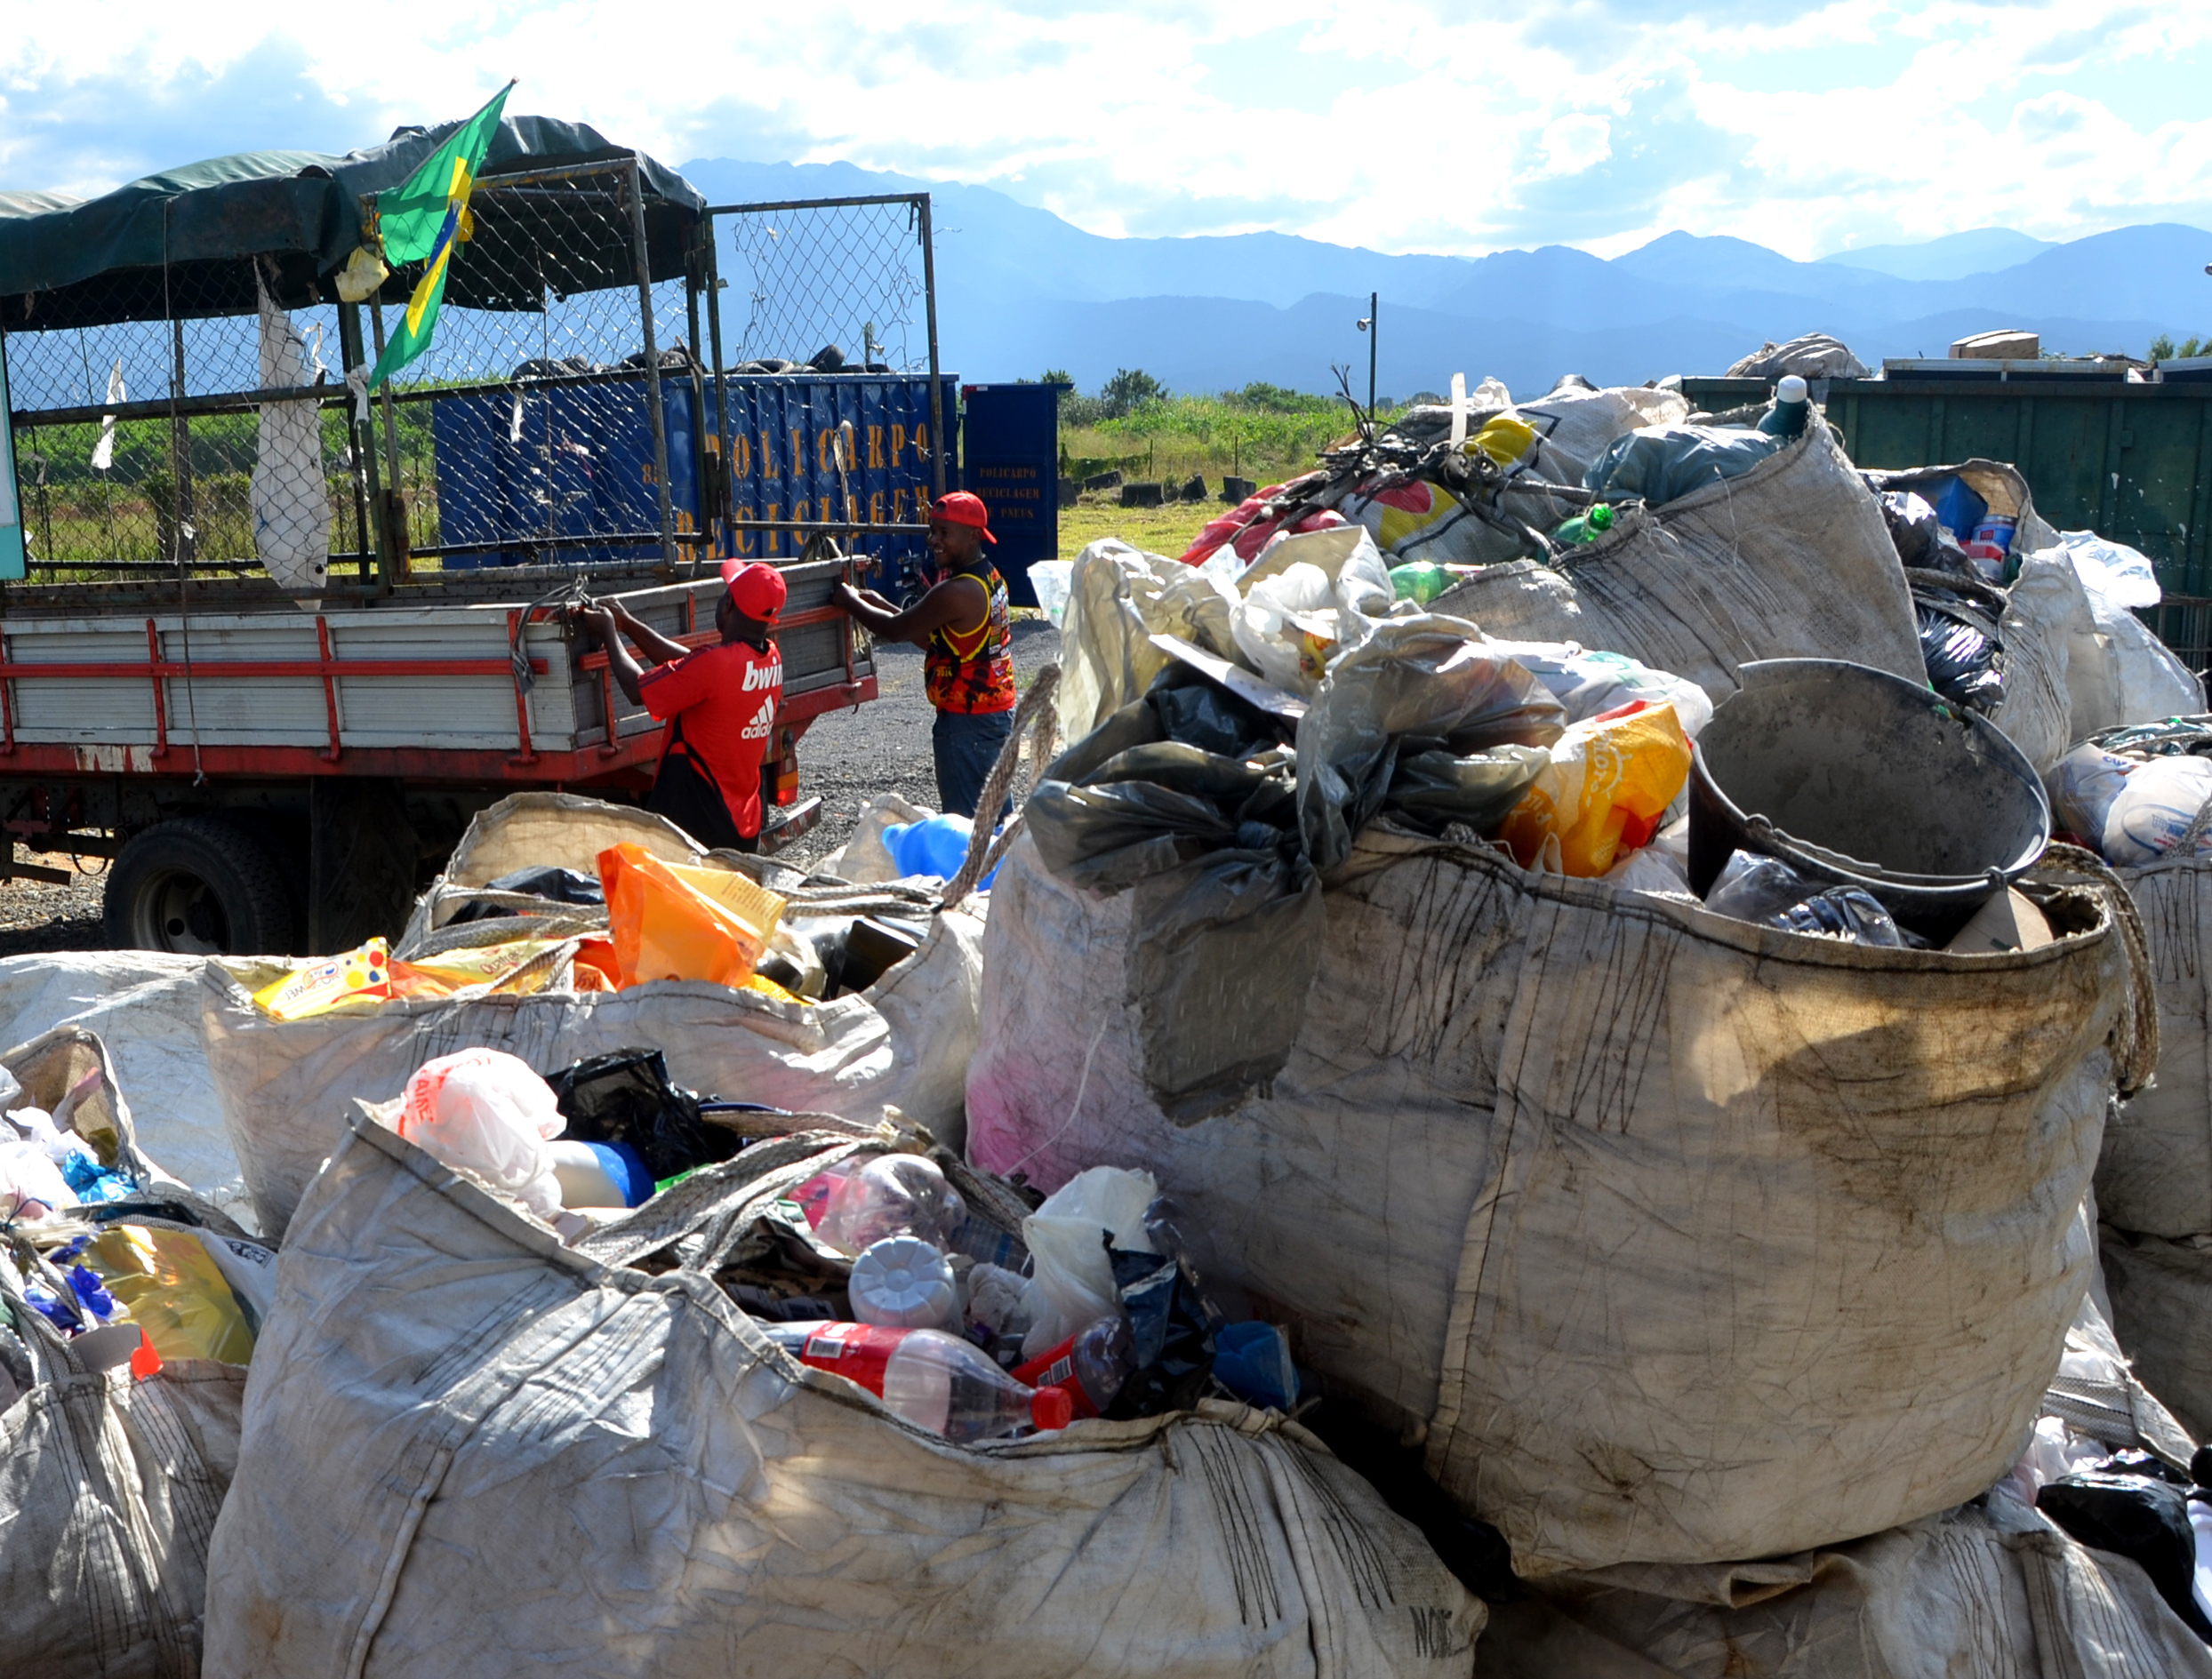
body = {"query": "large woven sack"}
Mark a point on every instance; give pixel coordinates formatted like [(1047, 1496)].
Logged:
[(1991, 1588), (1682, 1239), (146, 1005), (470, 1450), (904, 1042), (1790, 561), (108, 1486), (2155, 1174), (2161, 1296), (109, 1492)]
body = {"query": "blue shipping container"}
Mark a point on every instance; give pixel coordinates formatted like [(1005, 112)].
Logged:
[(576, 461), (1012, 433)]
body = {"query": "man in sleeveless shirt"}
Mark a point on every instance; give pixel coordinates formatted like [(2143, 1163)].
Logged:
[(719, 703), (967, 644)]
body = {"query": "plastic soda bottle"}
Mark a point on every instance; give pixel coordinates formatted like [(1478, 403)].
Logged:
[(1786, 417), (1091, 1365), (1420, 582), (1585, 527), (934, 1381)]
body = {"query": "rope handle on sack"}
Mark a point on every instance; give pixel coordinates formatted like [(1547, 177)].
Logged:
[(984, 854), (2137, 1033)]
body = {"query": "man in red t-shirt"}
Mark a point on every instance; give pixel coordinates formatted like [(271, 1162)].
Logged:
[(719, 703)]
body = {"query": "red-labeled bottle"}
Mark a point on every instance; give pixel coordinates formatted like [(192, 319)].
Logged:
[(934, 1381), (1090, 1366)]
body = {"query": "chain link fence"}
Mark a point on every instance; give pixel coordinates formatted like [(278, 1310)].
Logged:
[(612, 378)]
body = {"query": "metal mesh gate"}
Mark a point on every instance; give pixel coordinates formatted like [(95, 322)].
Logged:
[(613, 377)]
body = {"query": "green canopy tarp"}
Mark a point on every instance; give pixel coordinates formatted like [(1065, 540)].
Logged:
[(182, 244)]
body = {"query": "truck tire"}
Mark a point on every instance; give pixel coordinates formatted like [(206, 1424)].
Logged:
[(199, 885)]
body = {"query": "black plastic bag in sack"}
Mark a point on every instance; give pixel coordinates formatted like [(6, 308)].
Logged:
[(554, 886), (2141, 1517), (1171, 1330), (625, 1096)]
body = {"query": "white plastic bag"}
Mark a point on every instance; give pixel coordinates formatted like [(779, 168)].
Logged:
[(1307, 600), (1588, 683), (1050, 581), (2154, 808), (2083, 785), (484, 1111), (2122, 575), (31, 1186), (1072, 1284)]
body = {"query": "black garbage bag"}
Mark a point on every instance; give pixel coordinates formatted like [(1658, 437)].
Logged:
[(1961, 645), (1225, 925), (625, 1096), (1433, 786), (2143, 1517), (1172, 1330), (554, 886)]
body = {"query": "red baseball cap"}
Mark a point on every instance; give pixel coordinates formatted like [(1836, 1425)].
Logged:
[(756, 590), (957, 507)]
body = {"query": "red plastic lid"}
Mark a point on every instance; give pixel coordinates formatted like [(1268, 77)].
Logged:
[(1051, 1408)]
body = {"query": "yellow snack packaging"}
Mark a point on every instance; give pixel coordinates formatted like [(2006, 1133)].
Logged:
[(1609, 782), (365, 972)]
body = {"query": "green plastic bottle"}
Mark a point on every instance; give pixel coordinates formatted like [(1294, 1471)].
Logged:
[(1420, 582), (1584, 528)]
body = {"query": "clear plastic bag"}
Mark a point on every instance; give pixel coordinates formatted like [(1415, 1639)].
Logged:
[(1767, 892), (891, 1196)]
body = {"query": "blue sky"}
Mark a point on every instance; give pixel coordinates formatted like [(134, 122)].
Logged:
[(1397, 125)]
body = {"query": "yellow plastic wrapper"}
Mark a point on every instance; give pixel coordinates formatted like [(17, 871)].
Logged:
[(365, 972), (671, 921), (175, 1291), (1608, 784)]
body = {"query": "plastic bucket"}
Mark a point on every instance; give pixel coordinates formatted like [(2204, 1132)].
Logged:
[(1854, 776)]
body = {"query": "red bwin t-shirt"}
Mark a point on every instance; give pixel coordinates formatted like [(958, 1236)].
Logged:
[(725, 699)]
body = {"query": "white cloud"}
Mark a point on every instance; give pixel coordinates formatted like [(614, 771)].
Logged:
[(1572, 144), (1396, 124)]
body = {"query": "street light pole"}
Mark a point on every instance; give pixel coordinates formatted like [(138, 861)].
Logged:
[(1367, 327)]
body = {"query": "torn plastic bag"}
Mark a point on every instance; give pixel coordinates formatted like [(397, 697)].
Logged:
[(1664, 463), (1961, 641), (1172, 1330), (627, 1097), (1119, 600), (1427, 676), (1307, 601)]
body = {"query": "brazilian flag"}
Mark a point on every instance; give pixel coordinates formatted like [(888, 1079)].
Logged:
[(423, 219)]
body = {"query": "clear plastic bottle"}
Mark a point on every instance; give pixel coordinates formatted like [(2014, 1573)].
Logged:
[(891, 1196), (1584, 528), (1786, 417), (1091, 1365), (934, 1381)]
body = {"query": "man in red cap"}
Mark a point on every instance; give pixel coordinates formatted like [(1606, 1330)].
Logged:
[(968, 646), (719, 703)]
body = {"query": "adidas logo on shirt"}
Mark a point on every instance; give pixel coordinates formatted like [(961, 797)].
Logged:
[(763, 720)]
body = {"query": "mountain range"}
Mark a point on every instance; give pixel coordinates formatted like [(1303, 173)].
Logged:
[(1021, 291)]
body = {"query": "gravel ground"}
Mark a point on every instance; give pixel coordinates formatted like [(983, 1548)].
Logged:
[(845, 760), (35, 917)]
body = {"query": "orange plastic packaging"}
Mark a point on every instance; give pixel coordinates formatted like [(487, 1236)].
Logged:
[(1608, 784), (670, 921)]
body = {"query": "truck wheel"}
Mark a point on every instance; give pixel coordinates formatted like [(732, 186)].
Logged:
[(199, 886)]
